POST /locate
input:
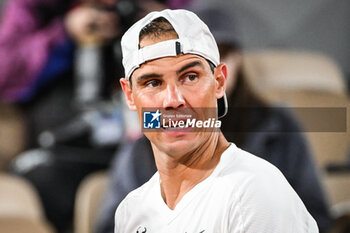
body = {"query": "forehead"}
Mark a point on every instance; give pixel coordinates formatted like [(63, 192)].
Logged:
[(170, 65)]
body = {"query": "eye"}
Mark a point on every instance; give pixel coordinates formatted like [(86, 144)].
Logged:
[(190, 78), (153, 83)]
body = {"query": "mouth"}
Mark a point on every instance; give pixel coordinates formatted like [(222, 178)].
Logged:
[(176, 126)]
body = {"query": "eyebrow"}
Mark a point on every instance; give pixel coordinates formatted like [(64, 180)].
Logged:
[(155, 75), (190, 65), (148, 76)]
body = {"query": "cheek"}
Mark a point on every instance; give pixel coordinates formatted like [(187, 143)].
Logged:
[(146, 102), (143, 99), (202, 95), (207, 92)]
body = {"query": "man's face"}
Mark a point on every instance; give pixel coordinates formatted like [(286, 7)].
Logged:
[(180, 83)]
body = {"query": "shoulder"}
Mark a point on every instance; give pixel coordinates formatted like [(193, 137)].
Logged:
[(242, 163), (243, 171), (134, 200), (262, 199), (255, 173), (145, 190)]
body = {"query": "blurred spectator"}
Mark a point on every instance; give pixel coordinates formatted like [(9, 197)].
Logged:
[(262, 130), (91, 26), (35, 53), (29, 31), (37, 47)]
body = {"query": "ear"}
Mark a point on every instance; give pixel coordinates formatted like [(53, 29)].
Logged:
[(233, 60), (220, 75), (128, 93)]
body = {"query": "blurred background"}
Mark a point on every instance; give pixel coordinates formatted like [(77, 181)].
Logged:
[(69, 144)]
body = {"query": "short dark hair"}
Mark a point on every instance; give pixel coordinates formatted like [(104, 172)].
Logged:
[(158, 27), (211, 65)]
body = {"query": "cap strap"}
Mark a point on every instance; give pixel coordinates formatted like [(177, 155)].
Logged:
[(158, 50)]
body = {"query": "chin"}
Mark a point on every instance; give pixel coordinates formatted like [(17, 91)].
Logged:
[(181, 144)]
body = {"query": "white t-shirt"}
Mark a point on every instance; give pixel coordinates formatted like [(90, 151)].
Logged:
[(244, 194)]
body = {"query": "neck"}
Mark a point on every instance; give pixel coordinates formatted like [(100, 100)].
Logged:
[(180, 173)]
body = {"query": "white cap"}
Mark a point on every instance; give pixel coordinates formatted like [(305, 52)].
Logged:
[(194, 38)]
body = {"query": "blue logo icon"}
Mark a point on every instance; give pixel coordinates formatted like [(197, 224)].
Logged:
[(151, 120)]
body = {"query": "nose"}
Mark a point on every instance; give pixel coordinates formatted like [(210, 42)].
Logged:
[(173, 98)]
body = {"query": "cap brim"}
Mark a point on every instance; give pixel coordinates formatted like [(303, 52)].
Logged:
[(222, 106)]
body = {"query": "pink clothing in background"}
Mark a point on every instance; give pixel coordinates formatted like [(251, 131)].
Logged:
[(25, 44)]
